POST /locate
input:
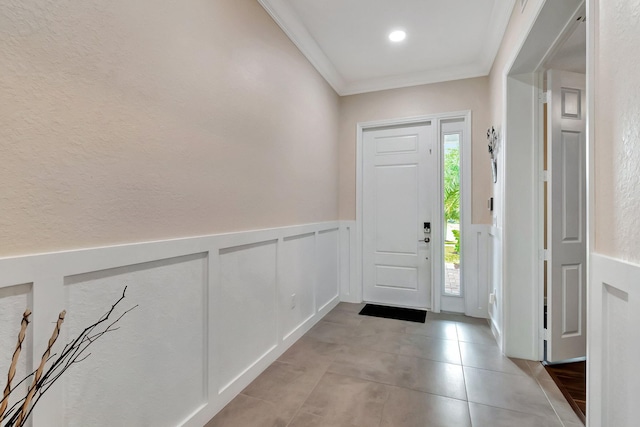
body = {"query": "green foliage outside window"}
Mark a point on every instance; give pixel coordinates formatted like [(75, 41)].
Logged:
[(452, 185), (456, 247), (452, 200)]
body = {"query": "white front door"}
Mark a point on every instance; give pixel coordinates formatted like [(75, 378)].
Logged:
[(566, 204), (398, 178)]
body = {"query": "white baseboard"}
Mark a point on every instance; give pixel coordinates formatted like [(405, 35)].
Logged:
[(214, 312)]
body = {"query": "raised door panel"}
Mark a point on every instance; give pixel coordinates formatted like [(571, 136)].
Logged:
[(396, 209), (566, 219)]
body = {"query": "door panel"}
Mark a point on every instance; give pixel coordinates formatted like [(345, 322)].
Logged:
[(566, 217), (397, 277), (571, 298), (396, 211), (396, 175), (571, 170)]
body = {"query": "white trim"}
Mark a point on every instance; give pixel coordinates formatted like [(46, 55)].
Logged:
[(45, 274), (594, 370), (563, 35), (477, 270), (520, 261), (613, 385), (525, 63), (492, 46), (469, 270), (289, 21), (501, 224), (415, 79), (436, 254), (495, 285), (462, 131), (349, 291), (540, 211)]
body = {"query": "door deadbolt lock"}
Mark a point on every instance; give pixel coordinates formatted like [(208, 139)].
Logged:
[(427, 227)]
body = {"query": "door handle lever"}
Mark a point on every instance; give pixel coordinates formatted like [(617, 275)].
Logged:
[(426, 240)]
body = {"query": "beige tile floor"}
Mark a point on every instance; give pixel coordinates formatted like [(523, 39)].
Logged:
[(352, 370)]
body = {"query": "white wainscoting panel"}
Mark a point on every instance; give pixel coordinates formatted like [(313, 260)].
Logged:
[(13, 301), (248, 304), (297, 281), (613, 343), (213, 312), (350, 287), (476, 270), (327, 285), (494, 262), (159, 350)]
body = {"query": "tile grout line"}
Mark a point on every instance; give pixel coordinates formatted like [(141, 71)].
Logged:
[(308, 395), (547, 396), (512, 410), (396, 386), (499, 372), (464, 377), (391, 386), (515, 410), (384, 407), (403, 355)]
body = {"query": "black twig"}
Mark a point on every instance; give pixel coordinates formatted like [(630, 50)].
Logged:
[(73, 352)]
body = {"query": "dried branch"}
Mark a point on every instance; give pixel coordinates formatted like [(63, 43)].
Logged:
[(14, 362), (72, 353), (45, 357)]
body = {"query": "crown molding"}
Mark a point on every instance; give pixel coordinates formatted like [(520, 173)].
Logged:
[(413, 79), (492, 45), (289, 21)]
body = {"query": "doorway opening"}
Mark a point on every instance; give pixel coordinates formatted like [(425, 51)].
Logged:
[(399, 189), (400, 225), (563, 200), (526, 329), (564, 212)]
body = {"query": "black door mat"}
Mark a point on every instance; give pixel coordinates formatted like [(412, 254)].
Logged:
[(408, 314)]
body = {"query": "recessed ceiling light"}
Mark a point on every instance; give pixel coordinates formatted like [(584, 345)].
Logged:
[(397, 36)]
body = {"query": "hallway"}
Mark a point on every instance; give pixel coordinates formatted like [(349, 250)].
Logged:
[(352, 370)]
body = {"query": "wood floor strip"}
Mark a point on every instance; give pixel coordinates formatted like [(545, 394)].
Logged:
[(571, 379)]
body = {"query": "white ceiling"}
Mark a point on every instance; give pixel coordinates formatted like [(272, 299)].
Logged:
[(346, 40)]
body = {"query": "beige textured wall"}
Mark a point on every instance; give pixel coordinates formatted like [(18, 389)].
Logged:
[(127, 121), (469, 94), (617, 130)]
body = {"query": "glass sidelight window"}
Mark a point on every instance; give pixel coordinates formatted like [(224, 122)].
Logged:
[(451, 216)]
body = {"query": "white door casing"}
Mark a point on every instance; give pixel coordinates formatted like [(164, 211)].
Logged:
[(567, 271), (398, 195)]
